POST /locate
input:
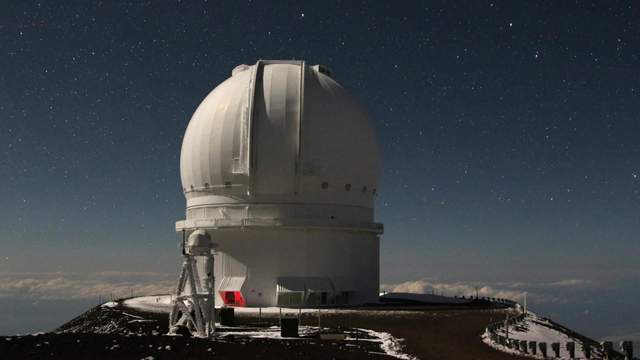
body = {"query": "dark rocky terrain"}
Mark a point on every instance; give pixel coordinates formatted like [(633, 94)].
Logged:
[(124, 333), (115, 346)]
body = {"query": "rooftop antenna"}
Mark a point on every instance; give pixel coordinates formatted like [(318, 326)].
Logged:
[(193, 307)]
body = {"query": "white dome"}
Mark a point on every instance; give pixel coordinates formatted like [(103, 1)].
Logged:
[(279, 169), (279, 132)]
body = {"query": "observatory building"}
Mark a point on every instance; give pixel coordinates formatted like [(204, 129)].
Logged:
[(279, 168)]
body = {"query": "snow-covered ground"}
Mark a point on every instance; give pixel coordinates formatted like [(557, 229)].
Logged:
[(110, 304), (391, 345), (538, 329), (154, 304), (162, 304)]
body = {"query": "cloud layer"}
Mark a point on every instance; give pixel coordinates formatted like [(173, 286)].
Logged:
[(537, 293), (60, 286)]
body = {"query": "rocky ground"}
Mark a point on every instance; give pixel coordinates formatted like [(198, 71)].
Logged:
[(115, 346), (124, 333)]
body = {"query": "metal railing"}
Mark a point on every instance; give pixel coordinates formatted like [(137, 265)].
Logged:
[(590, 348)]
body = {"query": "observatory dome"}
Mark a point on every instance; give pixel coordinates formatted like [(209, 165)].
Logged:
[(279, 132), (279, 170)]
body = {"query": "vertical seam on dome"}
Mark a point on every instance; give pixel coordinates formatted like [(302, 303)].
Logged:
[(214, 167), (228, 131), (238, 107), (251, 99), (298, 165), (202, 148)]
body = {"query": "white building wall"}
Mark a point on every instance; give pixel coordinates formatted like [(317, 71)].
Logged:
[(262, 256)]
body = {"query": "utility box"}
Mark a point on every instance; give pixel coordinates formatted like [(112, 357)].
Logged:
[(227, 316), (289, 327)]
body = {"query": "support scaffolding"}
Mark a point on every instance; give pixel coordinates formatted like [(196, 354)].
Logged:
[(193, 307)]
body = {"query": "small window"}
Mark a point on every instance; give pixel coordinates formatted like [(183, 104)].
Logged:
[(347, 187), (325, 185), (227, 184), (364, 188), (206, 185), (191, 187)]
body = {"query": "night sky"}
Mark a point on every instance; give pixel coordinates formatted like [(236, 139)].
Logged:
[(508, 132)]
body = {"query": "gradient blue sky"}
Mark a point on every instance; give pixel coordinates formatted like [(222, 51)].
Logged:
[(508, 134)]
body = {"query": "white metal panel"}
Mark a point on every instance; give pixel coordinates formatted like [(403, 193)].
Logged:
[(338, 143), (291, 284), (342, 283), (276, 119), (289, 258), (318, 284), (231, 283), (213, 137)]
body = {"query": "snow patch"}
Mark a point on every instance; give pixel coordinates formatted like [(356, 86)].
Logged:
[(487, 340), (162, 304), (154, 304), (272, 332), (110, 304), (538, 329), (389, 344), (133, 316)]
